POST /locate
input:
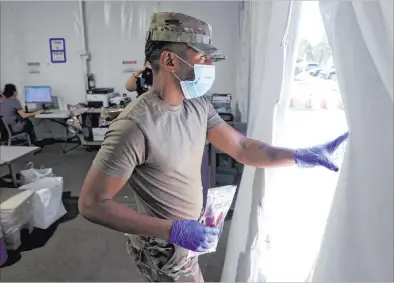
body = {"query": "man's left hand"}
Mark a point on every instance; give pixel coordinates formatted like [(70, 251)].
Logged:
[(321, 155)]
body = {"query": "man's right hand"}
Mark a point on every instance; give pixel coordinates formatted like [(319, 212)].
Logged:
[(193, 236), (139, 72), (321, 155)]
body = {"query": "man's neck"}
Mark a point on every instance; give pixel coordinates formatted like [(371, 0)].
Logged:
[(170, 94)]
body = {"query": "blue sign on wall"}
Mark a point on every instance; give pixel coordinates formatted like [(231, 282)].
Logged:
[(58, 50)]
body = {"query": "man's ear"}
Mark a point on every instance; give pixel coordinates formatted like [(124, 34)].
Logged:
[(169, 62)]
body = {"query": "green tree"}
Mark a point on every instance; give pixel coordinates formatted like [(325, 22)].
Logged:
[(322, 52), (305, 50)]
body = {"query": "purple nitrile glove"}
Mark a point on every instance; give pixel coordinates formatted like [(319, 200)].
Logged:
[(193, 236), (320, 155)]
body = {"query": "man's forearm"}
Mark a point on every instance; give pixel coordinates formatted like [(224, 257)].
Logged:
[(258, 154), (131, 84), (116, 216)]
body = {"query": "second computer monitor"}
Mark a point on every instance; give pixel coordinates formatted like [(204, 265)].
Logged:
[(38, 94)]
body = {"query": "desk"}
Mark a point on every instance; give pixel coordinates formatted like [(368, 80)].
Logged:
[(109, 110), (56, 114), (9, 154), (60, 115)]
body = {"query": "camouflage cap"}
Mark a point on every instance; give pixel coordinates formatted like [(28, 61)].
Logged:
[(177, 27)]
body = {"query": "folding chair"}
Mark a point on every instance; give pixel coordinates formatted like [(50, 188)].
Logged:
[(7, 136)]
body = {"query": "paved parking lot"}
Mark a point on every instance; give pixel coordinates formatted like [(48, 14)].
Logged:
[(309, 92)]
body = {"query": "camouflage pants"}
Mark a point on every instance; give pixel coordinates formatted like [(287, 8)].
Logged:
[(160, 261)]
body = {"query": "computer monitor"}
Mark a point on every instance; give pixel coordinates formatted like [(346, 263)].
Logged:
[(38, 94)]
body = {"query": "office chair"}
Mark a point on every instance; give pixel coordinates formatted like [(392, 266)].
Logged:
[(7, 136)]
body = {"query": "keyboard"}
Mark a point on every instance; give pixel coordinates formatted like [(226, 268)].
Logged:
[(46, 112)]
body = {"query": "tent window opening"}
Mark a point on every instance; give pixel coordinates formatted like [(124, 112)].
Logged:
[(300, 200)]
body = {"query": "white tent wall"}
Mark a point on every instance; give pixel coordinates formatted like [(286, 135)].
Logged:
[(358, 242), (271, 23), (25, 31), (115, 32), (117, 29)]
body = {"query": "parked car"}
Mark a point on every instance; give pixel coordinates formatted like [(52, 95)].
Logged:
[(329, 73), (311, 65), (315, 72)]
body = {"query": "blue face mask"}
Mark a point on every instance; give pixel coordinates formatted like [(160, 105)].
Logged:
[(204, 76)]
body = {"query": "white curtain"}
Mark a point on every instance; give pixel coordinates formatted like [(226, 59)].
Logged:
[(243, 64), (358, 242), (269, 46)]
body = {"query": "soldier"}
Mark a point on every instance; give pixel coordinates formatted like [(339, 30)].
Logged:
[(156, 144)]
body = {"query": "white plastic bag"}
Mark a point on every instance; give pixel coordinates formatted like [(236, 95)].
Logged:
[(219, 201), (30, 174), (47, 201), (3, 249)]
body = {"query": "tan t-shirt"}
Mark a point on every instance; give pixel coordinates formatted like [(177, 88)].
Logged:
[(159, 148)]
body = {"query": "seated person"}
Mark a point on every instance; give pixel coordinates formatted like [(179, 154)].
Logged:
[(14, 115), (141, 80)]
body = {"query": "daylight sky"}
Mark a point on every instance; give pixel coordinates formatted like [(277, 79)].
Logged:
[(311, 24)]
